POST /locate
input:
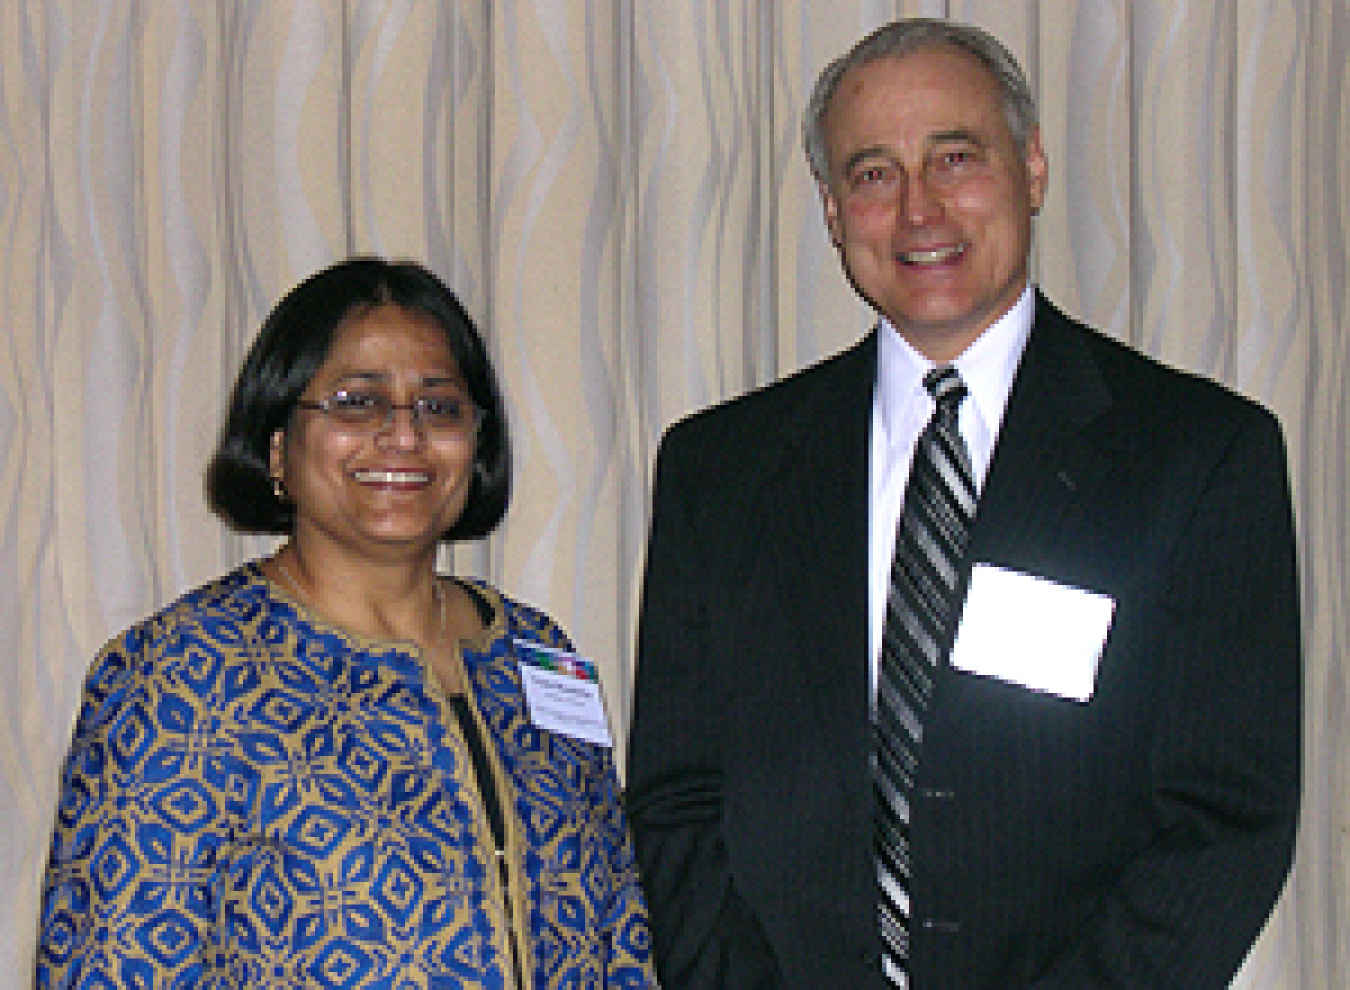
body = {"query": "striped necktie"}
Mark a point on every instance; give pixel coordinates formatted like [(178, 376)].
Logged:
[(921, 607)]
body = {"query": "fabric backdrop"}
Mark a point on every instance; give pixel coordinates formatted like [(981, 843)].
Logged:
[(616, 189)]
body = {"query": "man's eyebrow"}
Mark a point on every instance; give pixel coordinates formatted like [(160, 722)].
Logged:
[(955, 136), (862, 154)]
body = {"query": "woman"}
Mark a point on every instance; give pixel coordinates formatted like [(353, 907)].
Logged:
[(320, 769)]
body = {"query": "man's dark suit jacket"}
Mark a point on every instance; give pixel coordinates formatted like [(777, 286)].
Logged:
[(1137, 840)]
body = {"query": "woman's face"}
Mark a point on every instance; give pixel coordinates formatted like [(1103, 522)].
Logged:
[(389, 488)]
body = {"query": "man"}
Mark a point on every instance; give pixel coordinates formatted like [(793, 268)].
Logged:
[(1128, 825)]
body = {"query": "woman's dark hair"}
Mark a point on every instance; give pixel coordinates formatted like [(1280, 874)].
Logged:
[(291, 347)]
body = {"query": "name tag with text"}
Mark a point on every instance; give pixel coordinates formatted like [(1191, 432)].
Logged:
[(562, 693)]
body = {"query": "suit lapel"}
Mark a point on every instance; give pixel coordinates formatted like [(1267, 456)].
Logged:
[(1045, 467), (816, 537), (815, 549), (1046, 463)]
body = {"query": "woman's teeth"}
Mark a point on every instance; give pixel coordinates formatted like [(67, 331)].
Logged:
[(392, 477)]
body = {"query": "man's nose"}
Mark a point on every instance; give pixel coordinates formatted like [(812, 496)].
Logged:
[(921, 203)]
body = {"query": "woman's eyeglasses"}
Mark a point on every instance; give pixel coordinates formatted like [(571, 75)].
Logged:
[(446, 416)]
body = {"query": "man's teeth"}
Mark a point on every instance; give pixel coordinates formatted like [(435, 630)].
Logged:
[(392, 477), (934, 256)]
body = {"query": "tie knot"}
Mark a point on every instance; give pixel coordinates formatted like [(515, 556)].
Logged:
[(945, 386)]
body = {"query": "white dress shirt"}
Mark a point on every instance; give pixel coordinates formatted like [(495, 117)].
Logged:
[(901, 408)]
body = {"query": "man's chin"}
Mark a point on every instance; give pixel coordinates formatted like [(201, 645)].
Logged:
[(941, 337)]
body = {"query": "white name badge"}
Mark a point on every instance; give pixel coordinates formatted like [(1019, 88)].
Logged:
[(562, 693), (1032, 632)]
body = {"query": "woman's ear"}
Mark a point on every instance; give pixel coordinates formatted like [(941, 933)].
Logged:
[(276, 457)]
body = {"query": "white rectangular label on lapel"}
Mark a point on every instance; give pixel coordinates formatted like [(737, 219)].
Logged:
[(1032, 631)]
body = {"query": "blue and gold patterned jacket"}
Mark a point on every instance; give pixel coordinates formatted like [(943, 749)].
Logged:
[(254, 798)]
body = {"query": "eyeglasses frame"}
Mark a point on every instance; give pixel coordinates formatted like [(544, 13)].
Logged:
[(325, 406)]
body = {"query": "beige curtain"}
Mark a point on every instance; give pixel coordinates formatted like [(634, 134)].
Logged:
[(616, 189)]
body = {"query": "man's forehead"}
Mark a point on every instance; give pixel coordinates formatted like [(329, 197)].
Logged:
[(870, 97)]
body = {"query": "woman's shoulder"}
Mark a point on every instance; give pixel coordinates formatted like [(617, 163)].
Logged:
[(173, 651), (235, 597), (205, 623), (517, 619)]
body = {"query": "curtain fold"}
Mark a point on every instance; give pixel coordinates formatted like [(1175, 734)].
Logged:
[(616, 189)]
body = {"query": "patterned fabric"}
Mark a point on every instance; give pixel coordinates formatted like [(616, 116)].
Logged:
[(254, 798)]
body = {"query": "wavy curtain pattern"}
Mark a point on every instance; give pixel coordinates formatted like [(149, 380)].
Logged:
[(616, 189)]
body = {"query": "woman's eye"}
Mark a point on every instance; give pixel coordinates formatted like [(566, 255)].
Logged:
[(441, 408), (354, 401)]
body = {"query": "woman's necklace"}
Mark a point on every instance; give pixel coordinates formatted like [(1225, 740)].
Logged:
[(436, 590)]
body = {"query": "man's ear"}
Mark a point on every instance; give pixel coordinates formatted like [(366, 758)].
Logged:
[(1038, 170), (831, 207)]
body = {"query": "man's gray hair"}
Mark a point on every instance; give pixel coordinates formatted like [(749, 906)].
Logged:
[(910, 35)]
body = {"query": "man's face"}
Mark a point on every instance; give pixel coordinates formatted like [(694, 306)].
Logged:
[(929, 200)]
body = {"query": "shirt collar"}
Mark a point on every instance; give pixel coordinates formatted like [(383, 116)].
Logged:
[(987, 366)]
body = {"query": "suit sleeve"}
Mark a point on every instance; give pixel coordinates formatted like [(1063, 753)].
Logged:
[(705, 935), (1226, 757)]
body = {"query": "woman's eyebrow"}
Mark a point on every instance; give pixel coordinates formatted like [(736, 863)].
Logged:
[(376, 377)]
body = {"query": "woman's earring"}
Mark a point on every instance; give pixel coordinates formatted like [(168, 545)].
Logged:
[(278, 486)]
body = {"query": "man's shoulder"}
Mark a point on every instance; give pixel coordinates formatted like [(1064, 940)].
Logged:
[(767, 411), (1146, 385)]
